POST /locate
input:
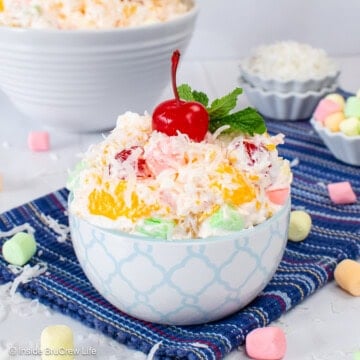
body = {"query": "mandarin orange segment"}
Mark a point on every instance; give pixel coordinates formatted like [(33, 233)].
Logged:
[(129, 10), (239, 195), (270, 147), (101, 202)]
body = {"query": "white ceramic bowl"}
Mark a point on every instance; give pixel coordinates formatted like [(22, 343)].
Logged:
[(80, 80), (344, 148), (180, 282), (271, 84), (284, 106)]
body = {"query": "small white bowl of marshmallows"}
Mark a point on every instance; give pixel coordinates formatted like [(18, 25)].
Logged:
[(285, 80), (336, 120)]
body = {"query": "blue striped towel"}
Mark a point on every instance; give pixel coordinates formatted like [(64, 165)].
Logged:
[(305, 267)]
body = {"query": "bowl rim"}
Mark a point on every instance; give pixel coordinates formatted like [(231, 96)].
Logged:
[(198, 241), (340, 135), (192, 12), (285, 95)]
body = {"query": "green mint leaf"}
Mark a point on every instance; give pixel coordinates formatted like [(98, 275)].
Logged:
[(222, 107), (246, 121), (201, 97), (185, 92)]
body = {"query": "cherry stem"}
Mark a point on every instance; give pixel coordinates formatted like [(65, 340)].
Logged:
[(175, 61)]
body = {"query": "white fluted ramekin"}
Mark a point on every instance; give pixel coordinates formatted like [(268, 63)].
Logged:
[(81, 80), (285, 86), (344, 148), (284, 106)]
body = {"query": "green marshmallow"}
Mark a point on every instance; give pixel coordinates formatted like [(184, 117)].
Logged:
[(227, 218), (158, 228), (19, 249), (352, 107)]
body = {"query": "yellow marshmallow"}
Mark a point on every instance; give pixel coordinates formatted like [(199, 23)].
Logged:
[(299, 225), (57, 343), (333, 121), (337, 98), (347, 276)]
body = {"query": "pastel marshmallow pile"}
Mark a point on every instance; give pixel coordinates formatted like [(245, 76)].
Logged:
[(347, 276), (339, 114), (268, 343)]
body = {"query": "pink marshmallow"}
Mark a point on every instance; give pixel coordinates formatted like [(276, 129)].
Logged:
[(38, 141), (278, 196), (341, 193), (268, 343), (325, 108)]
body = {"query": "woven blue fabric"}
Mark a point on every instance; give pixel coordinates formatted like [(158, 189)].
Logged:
[(305, 267)]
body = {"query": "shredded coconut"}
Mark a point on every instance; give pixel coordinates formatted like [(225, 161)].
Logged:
[(151, 355), (54, 156), (24, 227), (63, 231), (200, 345), (25, 274), (294, 162), (289, 60), (89, 14), (136, 173)]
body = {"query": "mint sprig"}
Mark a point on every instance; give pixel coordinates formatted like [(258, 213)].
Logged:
[(246, 121)]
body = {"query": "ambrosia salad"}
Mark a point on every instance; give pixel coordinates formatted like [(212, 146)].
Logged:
[(88, 14), (191, 170)]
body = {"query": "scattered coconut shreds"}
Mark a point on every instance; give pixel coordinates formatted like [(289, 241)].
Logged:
[(54, 156), (25, 274), (199, 345), (153, 351), (13, 302), (295, 162), (220, 130), (63, 231), (24, 227), (5, 145)]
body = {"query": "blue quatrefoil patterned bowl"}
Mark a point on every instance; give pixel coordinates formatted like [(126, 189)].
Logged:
[(180, 282)]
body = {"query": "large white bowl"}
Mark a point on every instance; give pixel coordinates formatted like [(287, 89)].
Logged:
[(185, 281), (80, 80), (284, 106), (344, 148)]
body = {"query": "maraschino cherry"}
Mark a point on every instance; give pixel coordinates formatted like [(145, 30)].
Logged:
[(187, 117)]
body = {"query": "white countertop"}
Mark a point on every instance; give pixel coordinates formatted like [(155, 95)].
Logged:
[(323, 327)]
